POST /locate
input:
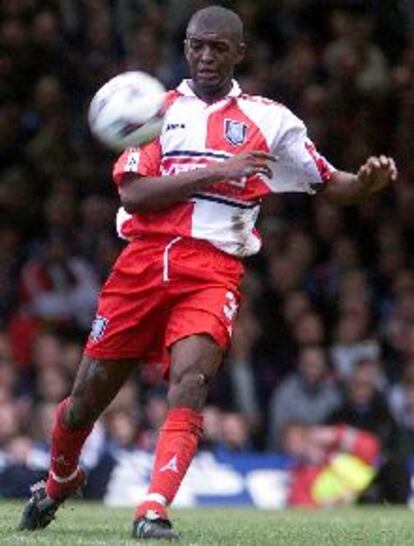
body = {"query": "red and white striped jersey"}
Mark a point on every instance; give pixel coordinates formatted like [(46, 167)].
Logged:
[(196, 133)]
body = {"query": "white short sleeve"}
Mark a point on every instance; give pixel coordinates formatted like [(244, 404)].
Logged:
[(300, 167)]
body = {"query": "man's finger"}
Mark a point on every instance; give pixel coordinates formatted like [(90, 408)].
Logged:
[(389, 164), (375, 162), (266, 171), (263, 155), (392, 162), (393, 169), (262, 169), (385, 161), (366, 170)]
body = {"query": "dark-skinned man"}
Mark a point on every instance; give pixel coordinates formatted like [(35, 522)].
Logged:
[(190, 200)]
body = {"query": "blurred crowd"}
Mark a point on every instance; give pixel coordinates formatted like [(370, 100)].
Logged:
[(326, 330)]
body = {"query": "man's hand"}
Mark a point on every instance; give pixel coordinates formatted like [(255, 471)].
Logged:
[(347, 189), (322, 435), (376, 173), (245, 164)]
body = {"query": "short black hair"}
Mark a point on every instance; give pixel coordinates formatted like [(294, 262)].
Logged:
[(219, 18)]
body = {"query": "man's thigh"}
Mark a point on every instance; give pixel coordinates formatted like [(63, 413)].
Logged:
[(205, 292), (195, 354), (209, 311)]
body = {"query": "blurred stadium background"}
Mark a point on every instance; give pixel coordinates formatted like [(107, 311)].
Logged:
[(326, 331)]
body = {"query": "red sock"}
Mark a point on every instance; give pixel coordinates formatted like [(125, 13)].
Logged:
[(67, 444), (176, 446)]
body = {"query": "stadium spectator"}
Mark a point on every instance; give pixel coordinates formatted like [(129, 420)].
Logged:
[(94, 239), (365, 408), (58, 288), (9, 423), (239, 368), (121, 430), (353, 56), (307, 396), (234, 435), (212, 427), (333, 465), (155, 410), (351, 345), (51, 385), (401, 403), (309, 330)]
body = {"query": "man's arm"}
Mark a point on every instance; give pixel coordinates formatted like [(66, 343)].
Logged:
[(147, 193), (346, 188)]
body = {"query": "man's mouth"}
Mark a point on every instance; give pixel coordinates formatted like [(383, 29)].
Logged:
[(207, 73)]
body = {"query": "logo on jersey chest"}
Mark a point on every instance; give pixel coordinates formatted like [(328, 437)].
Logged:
[(173, 126), (235, 132)]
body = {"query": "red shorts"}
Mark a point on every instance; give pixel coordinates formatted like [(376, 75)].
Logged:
[(161, 290)]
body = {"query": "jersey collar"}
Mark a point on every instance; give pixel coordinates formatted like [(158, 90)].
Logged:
[(185, 89)]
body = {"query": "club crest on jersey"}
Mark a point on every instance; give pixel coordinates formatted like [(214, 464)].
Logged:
[(99, 325), (235, 132)]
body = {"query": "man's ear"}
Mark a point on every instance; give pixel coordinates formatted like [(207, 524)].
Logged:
[(186, 48), (241, 52)]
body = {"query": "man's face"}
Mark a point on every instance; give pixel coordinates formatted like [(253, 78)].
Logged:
[(312, 366), (211, 56)]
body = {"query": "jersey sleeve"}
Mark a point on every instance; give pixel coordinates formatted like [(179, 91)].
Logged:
[(143, 161), (300, 167)]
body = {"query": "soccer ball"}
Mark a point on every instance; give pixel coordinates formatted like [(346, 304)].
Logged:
[(126, 110)]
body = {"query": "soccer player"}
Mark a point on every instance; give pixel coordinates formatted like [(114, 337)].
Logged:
[(190, 200)]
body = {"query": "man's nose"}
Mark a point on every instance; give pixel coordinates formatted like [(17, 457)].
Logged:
[(206, 54)]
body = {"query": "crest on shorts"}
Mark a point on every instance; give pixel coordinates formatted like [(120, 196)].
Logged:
[(99, 325), (235, 132), (230, 307)]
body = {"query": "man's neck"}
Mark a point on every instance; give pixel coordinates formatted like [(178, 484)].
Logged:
[(213, 96)]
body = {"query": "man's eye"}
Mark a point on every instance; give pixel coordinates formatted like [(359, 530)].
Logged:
[(195, 45)]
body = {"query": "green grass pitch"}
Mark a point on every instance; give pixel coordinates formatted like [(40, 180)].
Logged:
[(84, 524)]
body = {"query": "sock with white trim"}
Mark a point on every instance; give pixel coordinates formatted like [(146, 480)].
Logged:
[(67, 444), (176, 447)]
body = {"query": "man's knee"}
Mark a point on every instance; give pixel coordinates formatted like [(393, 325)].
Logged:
[(194, 362), (188, 388)]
